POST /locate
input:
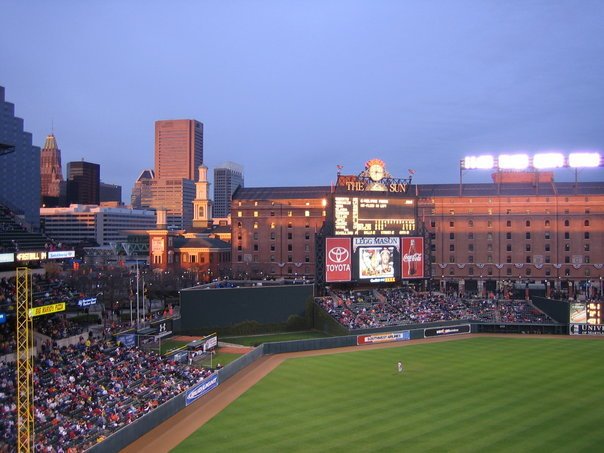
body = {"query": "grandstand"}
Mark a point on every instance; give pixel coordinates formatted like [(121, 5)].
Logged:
[(385, 307), (16, 235)]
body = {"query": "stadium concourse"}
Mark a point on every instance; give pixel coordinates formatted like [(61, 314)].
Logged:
[(375, 308)]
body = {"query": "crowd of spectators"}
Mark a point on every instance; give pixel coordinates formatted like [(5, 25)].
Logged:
[(369, 309), (87, 391), (58, 327), (44, 290)]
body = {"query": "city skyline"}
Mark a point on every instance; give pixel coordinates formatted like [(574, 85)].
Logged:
[(290, 91)]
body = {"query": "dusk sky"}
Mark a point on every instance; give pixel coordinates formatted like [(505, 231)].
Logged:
[(291, 89)]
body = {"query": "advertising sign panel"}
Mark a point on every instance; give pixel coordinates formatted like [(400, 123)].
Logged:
[(128, 340), (201, 389), (338, 261), (7, 257), (578, 313), (47, 309), (413, 258), (449, 330), (59, 254), (87, 302), (31, 256), (385, 337)]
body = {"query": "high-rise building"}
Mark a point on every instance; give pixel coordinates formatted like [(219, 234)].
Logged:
[(110, 193), (141, 196), (83, 183), (51, 172), (178, 149), (175, 196), (19, 166), (178, 155), (227, 178)]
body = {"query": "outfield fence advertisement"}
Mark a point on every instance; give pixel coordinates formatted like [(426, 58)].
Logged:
[(201, 389), (449, 330), (385, 337)]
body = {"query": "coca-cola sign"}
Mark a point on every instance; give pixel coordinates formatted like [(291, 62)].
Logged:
[(337, 260), (412, 261)]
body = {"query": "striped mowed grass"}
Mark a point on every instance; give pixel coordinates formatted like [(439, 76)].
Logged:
[(474, 394)]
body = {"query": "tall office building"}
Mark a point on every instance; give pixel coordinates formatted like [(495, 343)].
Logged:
[(110, 193), (83, 183), (19, 166), (178, 149), (51, 172), (227, 178), (141, 196), (178, 155)]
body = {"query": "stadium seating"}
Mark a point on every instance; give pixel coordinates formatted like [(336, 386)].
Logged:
[(398, 306)]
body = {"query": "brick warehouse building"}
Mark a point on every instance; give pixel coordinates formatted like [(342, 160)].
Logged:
[(522, 230), (273, 230)]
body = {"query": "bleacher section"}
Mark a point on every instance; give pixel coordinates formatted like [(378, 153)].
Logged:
[(15, 236)]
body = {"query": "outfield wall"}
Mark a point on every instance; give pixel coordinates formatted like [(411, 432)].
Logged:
[(203, 308)]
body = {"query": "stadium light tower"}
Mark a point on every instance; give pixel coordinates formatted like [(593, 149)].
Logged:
[(522, 161)]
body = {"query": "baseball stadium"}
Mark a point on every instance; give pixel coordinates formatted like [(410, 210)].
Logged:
[(373, 352)]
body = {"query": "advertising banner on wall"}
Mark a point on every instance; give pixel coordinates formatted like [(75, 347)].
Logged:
[(201, 389), (385, 337), (449, 330), (338, 260), (412, 258)]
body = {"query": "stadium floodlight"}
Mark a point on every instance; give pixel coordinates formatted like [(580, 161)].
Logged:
[(513, 161), (478, 162), (576, 160), (548, 160)]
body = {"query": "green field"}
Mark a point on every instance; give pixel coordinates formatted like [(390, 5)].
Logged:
[(475, 394)]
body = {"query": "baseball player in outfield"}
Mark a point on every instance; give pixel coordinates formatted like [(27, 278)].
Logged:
[(399, 366)]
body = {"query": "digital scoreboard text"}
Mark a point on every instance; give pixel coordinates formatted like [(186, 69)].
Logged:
[(374, 216)]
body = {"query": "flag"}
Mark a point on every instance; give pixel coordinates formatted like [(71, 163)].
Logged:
[(411, 172)]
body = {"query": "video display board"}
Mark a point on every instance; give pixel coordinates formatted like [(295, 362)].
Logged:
[(374, 215), (379, 259), (376, 259), (586, 318)]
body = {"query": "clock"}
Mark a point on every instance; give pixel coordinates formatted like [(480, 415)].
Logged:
[(376, 172)]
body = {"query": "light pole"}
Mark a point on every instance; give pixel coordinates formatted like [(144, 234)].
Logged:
[(137, 297)]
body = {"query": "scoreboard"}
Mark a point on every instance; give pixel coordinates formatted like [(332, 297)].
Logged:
[(586, 318), (374, 215)]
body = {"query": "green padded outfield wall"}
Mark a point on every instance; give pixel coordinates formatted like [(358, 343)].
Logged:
[(223, 307)]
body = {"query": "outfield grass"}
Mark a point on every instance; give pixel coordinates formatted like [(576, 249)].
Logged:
[(475, 394), (255, 340)]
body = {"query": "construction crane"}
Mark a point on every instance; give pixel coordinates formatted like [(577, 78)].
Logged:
[(25, 371)]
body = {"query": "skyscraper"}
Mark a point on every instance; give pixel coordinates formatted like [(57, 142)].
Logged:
[(110, 193), (141, 195), (227, 177), (178, 155), (83, 183), (51, 173), (178, 149), (19, 166)]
